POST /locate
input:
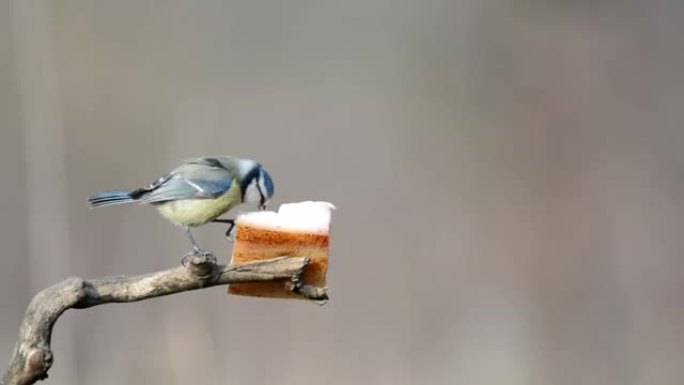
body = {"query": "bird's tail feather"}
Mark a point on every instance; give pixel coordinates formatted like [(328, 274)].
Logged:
[(113, 197)]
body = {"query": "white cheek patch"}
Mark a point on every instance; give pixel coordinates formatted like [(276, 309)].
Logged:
[(252, 194)]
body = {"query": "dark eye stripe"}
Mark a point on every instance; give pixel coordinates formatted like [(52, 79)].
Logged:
[(262, 199), (247, 180)]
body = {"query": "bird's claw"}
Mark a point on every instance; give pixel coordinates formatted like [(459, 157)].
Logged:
[(198, 255)]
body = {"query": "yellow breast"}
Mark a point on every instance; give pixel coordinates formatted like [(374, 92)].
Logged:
[(196, 212)]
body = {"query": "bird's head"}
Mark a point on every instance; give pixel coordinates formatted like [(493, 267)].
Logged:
[(258, 187)]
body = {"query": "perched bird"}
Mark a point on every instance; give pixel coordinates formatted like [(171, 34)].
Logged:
[(199, 191)]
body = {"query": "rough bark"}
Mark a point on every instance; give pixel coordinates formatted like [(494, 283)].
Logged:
[(32, 357)]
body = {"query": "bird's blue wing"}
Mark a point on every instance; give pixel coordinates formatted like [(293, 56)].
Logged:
[(191, 181)]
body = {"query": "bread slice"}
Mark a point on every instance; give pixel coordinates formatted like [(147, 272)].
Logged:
[(296, 230)]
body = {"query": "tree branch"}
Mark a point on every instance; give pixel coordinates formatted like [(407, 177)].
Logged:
[(32, 356)]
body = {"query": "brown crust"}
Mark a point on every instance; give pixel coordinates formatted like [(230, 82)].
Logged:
[(245, 233), (253, 244)]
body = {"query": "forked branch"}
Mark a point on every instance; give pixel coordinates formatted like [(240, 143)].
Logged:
[(32, 355)]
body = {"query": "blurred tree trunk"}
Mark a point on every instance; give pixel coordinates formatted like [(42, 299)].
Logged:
[(47, 204)]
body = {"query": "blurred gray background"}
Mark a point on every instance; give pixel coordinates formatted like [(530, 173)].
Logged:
[(509, 178)]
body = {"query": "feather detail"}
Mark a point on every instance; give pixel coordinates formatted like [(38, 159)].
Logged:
[(113, 197)]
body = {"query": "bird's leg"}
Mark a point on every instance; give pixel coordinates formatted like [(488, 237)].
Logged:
[(196, 250), (195, 247), (231, 222)]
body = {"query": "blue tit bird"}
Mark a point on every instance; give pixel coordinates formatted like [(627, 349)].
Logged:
[(199, 191)]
